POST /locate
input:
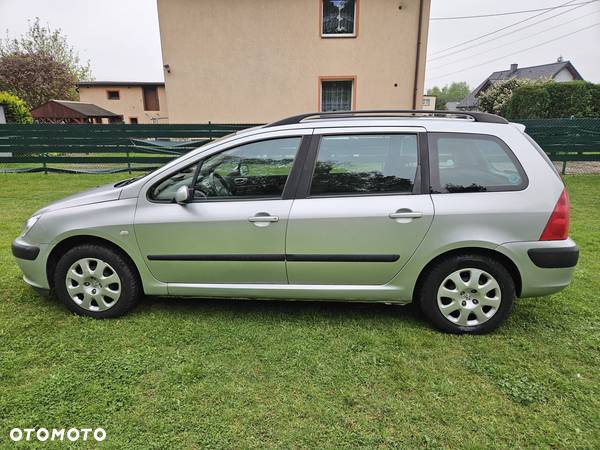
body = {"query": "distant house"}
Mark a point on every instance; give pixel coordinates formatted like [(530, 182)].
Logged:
[(63, 111), (137, 102), (557, 71), (428, 102)]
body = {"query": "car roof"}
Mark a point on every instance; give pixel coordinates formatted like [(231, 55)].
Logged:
[(458, 121)]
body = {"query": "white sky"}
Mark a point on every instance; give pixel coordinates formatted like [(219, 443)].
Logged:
[(121, 39)]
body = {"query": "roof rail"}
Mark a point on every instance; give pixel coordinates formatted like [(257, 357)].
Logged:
[(475, 116)]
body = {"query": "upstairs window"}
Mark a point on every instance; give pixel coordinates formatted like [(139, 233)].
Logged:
[(113, 95), (151, 98), (337, 95), (338, 18)]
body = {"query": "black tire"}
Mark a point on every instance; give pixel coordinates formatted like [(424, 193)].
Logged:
[(428, 292), (130, 284)]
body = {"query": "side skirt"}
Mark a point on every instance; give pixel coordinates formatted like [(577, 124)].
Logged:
[(350, 293)]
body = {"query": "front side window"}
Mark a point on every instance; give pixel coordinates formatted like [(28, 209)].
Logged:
[(473, 163), (365, 164), (338, 18), (255, 170), (336, 95)]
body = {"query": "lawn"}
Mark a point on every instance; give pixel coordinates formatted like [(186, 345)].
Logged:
[(183, 373)]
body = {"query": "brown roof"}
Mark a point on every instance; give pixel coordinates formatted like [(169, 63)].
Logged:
[(70, 109)]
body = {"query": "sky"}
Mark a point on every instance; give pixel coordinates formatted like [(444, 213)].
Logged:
[(121, 40)]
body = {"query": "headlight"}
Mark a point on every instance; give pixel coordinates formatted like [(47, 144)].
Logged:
[(29, 224)]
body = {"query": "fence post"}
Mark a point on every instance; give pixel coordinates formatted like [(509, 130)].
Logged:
[(564, 168), (44, 164), (210, 131), (128, 162)]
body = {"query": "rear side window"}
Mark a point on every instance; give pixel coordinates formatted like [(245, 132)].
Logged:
[(365, 164), (473, 163)]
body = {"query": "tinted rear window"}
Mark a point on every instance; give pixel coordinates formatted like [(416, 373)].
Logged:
[(473, 163)]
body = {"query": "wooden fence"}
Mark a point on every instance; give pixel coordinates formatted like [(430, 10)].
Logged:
[(121, 147)]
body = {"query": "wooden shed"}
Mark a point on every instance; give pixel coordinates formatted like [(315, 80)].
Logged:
[(64, 111)]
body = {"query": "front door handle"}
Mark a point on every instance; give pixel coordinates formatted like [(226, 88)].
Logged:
[(400, 214), (262, 219)]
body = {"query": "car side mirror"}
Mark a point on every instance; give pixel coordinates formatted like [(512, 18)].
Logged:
[(182, 195)]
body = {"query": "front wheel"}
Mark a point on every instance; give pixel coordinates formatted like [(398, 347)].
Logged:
[(96, 281), (467, 294)]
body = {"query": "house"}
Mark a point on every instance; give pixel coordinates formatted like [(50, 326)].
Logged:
[(557, 71), (428, 103), (64, 111), (137, 102), (243, 61)]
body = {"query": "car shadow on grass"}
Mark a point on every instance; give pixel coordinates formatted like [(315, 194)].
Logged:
[(280, 309)]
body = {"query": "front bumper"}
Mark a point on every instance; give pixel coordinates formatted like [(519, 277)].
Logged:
[(546, 267), (22, 250), (32, 258)]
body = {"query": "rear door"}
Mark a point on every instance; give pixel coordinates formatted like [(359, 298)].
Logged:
[(362, 206)]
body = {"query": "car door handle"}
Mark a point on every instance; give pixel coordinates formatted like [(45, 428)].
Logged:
[(258, 218), (406, 215)]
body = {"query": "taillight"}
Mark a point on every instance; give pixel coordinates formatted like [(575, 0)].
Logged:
[(557, 227)]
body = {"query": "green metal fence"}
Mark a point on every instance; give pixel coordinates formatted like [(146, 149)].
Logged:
[(101, 148), (121, 147), (567, 139)]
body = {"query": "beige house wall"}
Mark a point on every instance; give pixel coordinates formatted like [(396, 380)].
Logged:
[(255, 61), (130, 104)]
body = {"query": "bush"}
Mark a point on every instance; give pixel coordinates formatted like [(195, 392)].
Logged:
[(15, 109), (496, 98), (555, 100)]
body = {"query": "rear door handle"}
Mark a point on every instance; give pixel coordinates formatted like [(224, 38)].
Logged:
[(406, 215)]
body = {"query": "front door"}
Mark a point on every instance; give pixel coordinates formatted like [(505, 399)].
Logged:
[(233, 231), (363, 214)]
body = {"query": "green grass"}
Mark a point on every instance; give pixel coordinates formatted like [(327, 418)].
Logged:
[(196, 373)]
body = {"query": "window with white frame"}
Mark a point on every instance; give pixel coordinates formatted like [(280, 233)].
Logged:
[(336, 95), (338, 18)]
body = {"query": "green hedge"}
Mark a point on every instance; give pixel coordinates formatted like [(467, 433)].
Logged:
[(15, 109), (555, 100)]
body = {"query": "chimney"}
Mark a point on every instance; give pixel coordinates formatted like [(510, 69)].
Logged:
[(513, 67)]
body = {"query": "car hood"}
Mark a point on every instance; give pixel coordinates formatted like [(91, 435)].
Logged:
[(104, 193)]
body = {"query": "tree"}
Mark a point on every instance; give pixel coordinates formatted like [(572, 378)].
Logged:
[(496, 98), (41, 52), (36, 78), (16, 110), (452, 93)]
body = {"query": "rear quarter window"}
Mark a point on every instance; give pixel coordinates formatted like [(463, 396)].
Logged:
[(473, 163)]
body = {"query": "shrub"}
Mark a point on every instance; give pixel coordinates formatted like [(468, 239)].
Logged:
[(555, 100), (496, 98), (15, 109)]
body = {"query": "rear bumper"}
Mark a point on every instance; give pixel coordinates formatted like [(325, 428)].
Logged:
[(554, 258), (546, 267)]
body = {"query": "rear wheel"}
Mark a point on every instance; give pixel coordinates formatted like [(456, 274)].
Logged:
[(467, 294), (96, 281)]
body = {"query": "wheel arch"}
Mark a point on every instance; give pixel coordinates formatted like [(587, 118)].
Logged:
[(512, 268), (73, 241)]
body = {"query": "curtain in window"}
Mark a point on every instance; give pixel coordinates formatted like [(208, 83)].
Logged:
[(338, 16), (336, 95)]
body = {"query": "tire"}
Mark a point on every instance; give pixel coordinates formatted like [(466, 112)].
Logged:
[(96, 281), (467, 294)]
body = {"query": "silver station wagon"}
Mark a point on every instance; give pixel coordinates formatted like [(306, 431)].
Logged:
[(458, 212)]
